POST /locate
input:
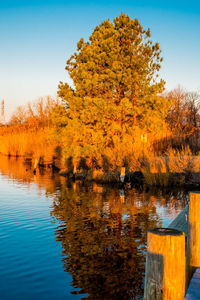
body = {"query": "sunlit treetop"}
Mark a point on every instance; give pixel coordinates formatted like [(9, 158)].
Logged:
[(119, 61)]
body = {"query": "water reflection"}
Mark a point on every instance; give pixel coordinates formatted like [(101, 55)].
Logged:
[(22, 174), (103, 236), (102, 230)]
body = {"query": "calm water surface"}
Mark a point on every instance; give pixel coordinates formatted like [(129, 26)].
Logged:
[(61, 240)]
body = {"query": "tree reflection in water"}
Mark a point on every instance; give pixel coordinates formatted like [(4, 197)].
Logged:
[(103, 236)]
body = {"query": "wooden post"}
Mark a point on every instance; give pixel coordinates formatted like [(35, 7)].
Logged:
[(122, 175), (74, 169), (75, 164), (165, 265), (193, 241)]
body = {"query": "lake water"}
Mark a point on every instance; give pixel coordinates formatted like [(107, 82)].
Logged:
[(61, 240)]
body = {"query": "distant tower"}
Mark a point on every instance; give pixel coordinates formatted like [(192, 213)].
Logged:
[(2, 112)]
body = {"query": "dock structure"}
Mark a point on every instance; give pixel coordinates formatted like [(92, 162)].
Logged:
[(193, 291), (173, 257)]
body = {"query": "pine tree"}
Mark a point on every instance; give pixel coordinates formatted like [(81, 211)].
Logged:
[(116, 90)]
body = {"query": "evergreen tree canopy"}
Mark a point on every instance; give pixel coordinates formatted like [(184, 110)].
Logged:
[(116, 88)]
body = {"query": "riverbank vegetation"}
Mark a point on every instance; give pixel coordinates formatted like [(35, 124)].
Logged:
[(115, 114), (29, 132)]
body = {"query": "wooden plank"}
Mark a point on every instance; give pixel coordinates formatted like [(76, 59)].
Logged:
[(180, 222), (193, 292)]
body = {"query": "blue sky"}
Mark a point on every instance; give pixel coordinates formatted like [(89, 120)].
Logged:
[(37, 37)]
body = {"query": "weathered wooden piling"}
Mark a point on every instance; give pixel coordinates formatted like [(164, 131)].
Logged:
[(165, 265), (193, 241)]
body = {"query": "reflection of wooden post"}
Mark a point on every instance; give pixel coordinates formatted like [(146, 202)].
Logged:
[(35, 165), (122, 196), (122, 175), (74, 186), (165, 265), (193, 242)]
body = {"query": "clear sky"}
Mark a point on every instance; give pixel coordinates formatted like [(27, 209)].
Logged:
[(37, 37)]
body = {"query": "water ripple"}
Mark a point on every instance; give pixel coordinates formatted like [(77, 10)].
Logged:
[(73, 242)]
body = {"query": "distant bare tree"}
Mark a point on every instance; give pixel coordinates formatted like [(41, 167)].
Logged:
[(19, 117), (35, 114), (184, 115), (192, 106)]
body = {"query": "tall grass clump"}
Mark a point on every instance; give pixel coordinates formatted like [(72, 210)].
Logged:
[(183, 160), (155, 171), (28, 143)]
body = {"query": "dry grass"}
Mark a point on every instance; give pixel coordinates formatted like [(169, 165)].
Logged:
[(159, 170), (156, 171), (181, 161), (134, 154), (28, 143)]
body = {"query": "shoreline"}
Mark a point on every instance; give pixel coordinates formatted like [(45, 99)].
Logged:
[(137, 179)]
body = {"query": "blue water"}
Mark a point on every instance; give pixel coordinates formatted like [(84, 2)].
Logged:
[(30, 258), (46, 225)]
